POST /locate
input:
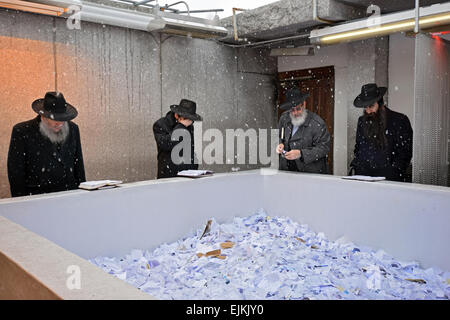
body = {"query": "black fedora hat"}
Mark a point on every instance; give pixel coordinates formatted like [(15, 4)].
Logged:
[(293, 98), (186, 109), (370, 93), (54, 107)]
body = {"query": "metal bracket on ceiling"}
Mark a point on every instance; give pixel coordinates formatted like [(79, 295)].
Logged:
[(416, 27)]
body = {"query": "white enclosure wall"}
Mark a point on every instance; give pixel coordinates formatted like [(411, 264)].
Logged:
[(44, 234), (410, 221)]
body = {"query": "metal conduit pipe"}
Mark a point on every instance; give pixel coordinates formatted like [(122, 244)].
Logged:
[(236, 37), (142, 2), (265, 42), (173, 4)]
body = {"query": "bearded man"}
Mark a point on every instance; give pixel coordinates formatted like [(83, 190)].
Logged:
[(45, 152), (304, 136), (383, 137)]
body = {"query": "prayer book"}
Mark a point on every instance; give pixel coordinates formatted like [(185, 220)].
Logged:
[(194, 173), (364, 178), (99, 184)]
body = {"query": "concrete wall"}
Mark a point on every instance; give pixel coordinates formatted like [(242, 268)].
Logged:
[(401, 74), (121, 81), (355, 64)]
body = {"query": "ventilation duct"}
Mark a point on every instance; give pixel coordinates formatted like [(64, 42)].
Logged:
[(191, 26), (170, 23), (120, 17)]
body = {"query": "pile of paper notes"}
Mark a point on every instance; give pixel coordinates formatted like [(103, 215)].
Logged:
[(262, 257)]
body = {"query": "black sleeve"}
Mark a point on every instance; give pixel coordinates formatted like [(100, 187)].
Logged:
[(17, 164), (403, 145), (359, 134), (79, 173), (163, 136)]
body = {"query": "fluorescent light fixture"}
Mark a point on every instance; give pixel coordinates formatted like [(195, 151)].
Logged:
[(33, 7), (430, 17)]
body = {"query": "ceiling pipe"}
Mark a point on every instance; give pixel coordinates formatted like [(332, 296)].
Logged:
[(266, 42), (173, 4), (236, 37), (142, 2)]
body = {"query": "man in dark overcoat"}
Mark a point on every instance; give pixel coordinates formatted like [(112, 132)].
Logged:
[(304, 136), (383, 137), (45, 152), (172, 130)]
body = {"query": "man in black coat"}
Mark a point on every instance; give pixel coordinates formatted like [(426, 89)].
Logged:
[(383, 137), (45, 152), (304, 139), (172, 133)]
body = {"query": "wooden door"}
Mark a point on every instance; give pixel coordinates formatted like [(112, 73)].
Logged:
[(319, 82)]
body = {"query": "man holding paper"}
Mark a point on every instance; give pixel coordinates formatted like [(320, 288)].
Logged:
[(304, 139), (172, 131)]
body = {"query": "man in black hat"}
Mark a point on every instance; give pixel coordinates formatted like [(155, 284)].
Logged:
[(304, 136), (383, 137), (175, 128), (45, 152)]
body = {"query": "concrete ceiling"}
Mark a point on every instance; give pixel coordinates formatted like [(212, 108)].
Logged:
[(292, 17)]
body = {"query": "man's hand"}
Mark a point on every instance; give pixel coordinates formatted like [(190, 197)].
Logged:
[(293, 154), (185, 122), (280, 148)]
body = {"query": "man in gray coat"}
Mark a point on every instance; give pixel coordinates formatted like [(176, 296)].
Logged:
[(304, 137)]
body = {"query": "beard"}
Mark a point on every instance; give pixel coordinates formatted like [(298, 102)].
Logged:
[(54, 137), (298, 121), (374, 128)]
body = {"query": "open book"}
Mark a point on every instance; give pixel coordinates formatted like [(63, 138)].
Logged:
[(194, 173), (100, 184), (364, 178)]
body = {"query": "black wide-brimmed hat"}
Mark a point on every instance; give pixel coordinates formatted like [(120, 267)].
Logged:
[(186, 109), (370, 93), (54, 107), (293, 98)]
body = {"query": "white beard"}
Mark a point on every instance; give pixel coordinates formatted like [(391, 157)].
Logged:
[(54, 137), (298, 121)]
